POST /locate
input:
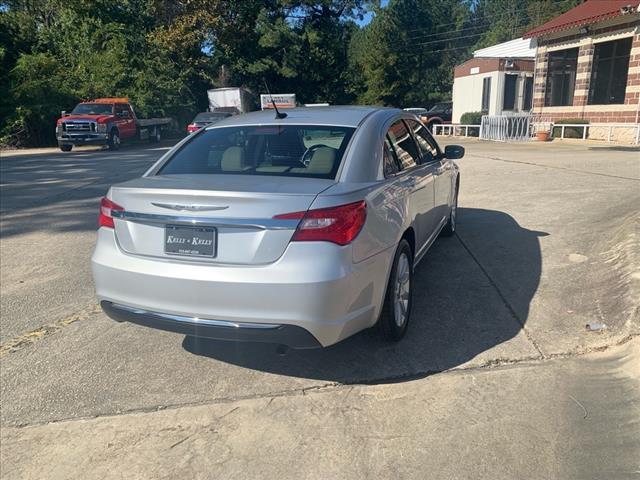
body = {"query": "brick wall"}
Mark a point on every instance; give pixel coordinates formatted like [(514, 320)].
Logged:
[(632, 96), (620, 113)]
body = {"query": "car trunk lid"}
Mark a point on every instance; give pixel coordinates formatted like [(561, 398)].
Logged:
[(227, 218)]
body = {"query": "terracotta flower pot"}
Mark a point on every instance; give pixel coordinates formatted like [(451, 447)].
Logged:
[(542, 136)]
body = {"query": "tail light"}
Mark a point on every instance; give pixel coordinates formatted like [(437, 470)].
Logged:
[(192, 128), (105, 219), (339, 225)]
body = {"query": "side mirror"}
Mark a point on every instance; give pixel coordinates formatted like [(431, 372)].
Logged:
[(453, 152), (63, 113)]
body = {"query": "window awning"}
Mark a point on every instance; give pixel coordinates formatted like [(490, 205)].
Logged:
[(587, 13)]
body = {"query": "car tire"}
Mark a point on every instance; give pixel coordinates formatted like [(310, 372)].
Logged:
[(114, 140), (396, 310), (66, 148), (450, 227)]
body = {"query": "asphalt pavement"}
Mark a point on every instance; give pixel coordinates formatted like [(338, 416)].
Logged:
[(547, 243)]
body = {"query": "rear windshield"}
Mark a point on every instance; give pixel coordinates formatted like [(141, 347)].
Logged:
[(93, 109), (210, 117), (282, 150)]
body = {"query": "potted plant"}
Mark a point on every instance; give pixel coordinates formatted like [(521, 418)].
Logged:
[(542, 135), (542, 129)]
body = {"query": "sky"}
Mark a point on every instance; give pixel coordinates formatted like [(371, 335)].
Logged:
[(369, 16), (367, 19)]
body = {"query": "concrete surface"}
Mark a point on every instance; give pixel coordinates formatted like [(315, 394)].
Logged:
[(572, 418), (48, 207), (547, 242)]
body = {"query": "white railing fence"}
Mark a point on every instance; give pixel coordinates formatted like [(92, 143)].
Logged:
[(583, 129), (523, 127), (623, 132), (506, 128), (455, 130)]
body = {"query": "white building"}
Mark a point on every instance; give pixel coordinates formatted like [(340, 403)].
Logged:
[(497, 80)]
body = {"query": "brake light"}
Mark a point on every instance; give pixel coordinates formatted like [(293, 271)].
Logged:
[(105, 219), (340, 224), (192, 128)]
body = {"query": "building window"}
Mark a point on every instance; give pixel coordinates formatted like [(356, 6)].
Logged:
[(486, 94), (509, 100), (561, 77), (528, 94), (609, 72)]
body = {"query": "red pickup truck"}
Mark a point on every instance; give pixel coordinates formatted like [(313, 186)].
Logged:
[(105, 121)]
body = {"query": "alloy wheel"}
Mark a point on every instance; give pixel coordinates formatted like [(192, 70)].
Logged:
[(402, 289), (454, 212)]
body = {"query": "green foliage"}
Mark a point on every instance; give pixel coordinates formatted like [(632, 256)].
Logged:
[(498, 21), (38, 97), (406, 54), (84, 50), (165, 54), (569, 121), (471, 118), (305, 53)]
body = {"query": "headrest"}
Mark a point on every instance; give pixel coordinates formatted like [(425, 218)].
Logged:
[(322, 160), (232, 160)]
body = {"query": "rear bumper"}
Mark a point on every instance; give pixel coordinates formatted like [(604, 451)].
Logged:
[(314, 286), (290, 335)]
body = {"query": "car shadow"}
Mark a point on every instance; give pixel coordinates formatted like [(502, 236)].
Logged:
[(471, 294)]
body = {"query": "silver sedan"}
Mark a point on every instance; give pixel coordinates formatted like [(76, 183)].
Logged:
[(300, 230)]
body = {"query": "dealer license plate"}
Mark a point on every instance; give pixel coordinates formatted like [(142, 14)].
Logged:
[(190, 241)]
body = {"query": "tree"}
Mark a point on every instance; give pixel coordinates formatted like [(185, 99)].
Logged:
[(165, 54), (500, 21), (295, 46), (84, 50), (406, 54)]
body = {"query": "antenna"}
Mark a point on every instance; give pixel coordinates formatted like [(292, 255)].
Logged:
[(279, 115)]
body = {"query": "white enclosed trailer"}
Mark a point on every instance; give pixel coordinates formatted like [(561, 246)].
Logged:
[(227, 99)]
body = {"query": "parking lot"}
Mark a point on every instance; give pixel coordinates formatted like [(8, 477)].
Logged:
[(497, 377)]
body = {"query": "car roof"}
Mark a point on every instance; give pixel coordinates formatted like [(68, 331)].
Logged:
[(214, 113), (348, 116)]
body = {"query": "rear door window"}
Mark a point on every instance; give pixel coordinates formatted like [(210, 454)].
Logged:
[(404, 145), (283, 150), (426, 143), (390, 161)]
